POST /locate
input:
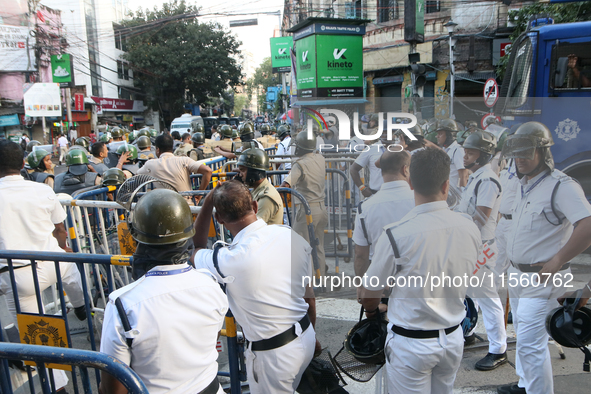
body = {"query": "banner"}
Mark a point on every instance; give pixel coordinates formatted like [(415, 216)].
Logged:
[(13, 49), (280, 59), (61, 70), (78, 102), (306, 66), (42, 99), (339, 65)]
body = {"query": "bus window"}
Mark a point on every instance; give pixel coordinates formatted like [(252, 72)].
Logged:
[(521, 75), (571, 66)]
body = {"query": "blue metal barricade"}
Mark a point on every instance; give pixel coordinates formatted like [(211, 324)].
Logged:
[(82, 359)]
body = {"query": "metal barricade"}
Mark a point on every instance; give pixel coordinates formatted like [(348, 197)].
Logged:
[(215, 164), (335, 192), (82, 359)]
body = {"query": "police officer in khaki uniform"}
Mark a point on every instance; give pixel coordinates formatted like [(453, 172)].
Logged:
[(198, 140), (252, 170), (307, 177), (186, 145), (144, 145)]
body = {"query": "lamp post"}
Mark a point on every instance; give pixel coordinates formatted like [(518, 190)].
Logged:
[(450, 26)]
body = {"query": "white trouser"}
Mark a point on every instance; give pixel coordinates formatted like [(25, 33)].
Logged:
[(280, 370), (46, 274), (501, 240), (486, 296), (423, 365), (530, 306)]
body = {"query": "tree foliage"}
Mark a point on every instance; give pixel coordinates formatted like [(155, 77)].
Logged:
[(177, 59), (561, 13), (263, 78)]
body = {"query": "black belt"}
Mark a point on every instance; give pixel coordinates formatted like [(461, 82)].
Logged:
[(280, 339), (6, 269), (508, 217), (535, 268), (420, 334), (212, 388)]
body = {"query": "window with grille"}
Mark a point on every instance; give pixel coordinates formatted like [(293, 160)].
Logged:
[(387, 10), (432, 6)]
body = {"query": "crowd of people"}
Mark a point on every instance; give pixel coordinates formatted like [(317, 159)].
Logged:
[(441, 200)]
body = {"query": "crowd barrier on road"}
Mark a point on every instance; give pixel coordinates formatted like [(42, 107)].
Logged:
[(58, 310), (82, 359), (335, 191)]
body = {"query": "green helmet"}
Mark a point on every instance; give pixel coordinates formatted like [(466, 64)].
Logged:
[(431, 125), (265, 129), (272, 129), (462, 135), (153, 133), (448, 125), (226, 131), (161, 217), (132, 136), (304, 144), (144, 142), (106, 137), (501, 141), (116, 132), (481, 140), (431, 136), (76, 156), (143, 132), (245, 129), (31, 144), (128, 148), (235, 133), (282, 131), (113, 177), (527, 138), (198, 138), (199, 128), (36, 157), (81, 141), (254, 158)]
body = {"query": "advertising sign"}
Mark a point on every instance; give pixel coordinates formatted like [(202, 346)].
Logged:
[(42, 99), (9, 120), (109, 104), (414, 21), (280, 59), (339, 66), (61, 70), (13, 49), (306, 67), (78, 102)]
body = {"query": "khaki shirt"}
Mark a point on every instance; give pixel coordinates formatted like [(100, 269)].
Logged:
[(307, 177), (183, 150), (172, 169), (270, 203), (146, 154)]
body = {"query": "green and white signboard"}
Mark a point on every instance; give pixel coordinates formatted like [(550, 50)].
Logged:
[(329, 60), (280, 57), (61, 69)]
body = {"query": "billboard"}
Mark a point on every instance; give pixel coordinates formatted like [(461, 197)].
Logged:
[(42, 99), (414, 21), (339, 65), (13, 49), (280, 59), (61, 69), (306, 67)]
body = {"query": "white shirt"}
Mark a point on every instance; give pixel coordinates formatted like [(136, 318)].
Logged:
[(532, 239), (456, 154), (368, 159), (62, 142), (489, 196), (29, 212), (176, 320), (263, 267), (511, 186), (431, 240), (284, 149), (390, 204)]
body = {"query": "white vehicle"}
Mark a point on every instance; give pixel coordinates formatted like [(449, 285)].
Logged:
[(185, 122)]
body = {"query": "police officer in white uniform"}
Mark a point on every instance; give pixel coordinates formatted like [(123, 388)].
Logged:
[(481, 199), (510, 185), (284, 148), (551, 224), (165, 325), (424, 344), (265, 294), (388, 205), (446, 139)]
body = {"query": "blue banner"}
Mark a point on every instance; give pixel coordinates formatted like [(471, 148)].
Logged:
[(9, 120)]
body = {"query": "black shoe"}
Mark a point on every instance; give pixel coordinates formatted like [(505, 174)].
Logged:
[(469, 340), (511, 389), (80, 313), (491, 361)]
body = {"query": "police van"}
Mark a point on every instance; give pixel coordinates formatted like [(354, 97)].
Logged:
[(185, 122)]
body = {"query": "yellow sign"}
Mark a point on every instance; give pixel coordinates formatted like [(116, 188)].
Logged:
[(126, 242), (127, 118), (44, 331)]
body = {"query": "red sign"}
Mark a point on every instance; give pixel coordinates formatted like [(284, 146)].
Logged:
[(505, 48), (78, 102), (489, 119), (78, 117), (110, 104)]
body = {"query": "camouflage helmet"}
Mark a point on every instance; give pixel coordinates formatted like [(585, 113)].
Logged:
[(113, 177), (35, 158), (226, 131), (481, 140), (81, 141), (198, 138), (128, 148), (31, 144), (106, 137), (282, 131), (161, 217), (254, 158), (144, 142)]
